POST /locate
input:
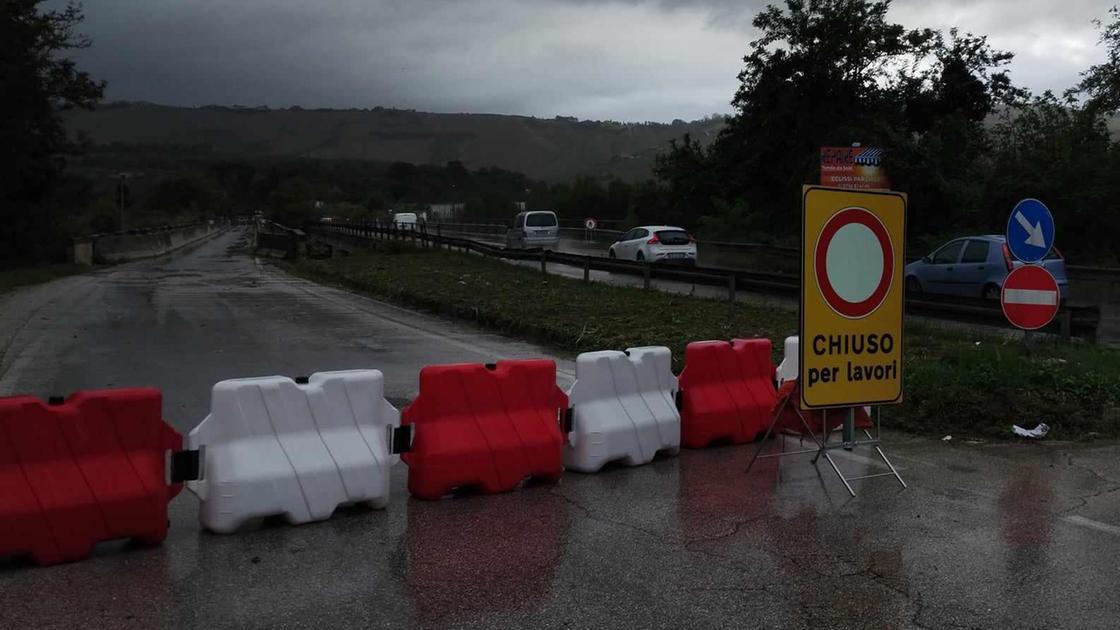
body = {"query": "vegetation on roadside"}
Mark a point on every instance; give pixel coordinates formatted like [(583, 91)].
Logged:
[(38, 81), (956, 383), (15, 278), (960, 137)]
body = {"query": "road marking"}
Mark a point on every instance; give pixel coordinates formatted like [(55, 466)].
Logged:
[(1030, 296), (1089, 523)]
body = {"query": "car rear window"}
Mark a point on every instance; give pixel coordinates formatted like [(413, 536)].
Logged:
[(975, 252), (541, 219), (948, 254), (673, 237)]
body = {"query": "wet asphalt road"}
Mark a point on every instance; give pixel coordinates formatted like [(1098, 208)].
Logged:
[(1004, 535)]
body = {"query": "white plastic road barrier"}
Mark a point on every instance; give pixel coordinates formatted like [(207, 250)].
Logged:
[(271, 446), (623, 408), (787, 369)]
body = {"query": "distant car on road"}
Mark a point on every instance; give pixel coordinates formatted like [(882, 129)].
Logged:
[(405, 220), (535, 228), (655, 243), (973, 266)]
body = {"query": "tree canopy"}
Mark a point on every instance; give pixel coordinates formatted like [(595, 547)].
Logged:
[(38, 82), (1102, 81), (837, 72)]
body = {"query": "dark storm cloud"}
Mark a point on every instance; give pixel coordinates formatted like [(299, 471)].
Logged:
[(626, 59)]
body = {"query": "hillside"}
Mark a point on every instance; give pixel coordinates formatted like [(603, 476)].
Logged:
[(551, 149)]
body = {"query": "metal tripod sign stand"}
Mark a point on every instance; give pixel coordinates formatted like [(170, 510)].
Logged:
[(850, 348)]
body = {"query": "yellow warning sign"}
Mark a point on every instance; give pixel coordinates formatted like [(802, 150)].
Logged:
[(851, 297)]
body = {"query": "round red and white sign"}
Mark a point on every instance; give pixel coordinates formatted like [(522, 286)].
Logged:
[(590, 223), (854, 262), (1030, 297)]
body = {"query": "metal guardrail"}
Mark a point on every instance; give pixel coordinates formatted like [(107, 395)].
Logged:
[(1107, 274), (1071, 321), (1083, 272)]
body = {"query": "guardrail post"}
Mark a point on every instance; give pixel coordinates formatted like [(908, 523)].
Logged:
[(587, 269), (645, 275), (544, 261), (731, 288), (439, 234), (1065, 323)]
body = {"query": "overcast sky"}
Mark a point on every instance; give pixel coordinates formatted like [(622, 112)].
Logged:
[(628, 60)]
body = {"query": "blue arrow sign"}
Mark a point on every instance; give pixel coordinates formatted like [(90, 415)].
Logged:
[(1030, 231)]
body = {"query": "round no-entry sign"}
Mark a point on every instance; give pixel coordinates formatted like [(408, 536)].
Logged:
[(1030, 297), (854, 261)]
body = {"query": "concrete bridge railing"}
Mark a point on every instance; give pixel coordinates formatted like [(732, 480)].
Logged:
[(137, 244)]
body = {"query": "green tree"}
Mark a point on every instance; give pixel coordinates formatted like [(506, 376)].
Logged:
[(692, 177), (490, 207), (1059, 152), (374, 202), (189, 197), (292, 202), (833, 72), (236, 180), (37, 83), (822, 73), (940, 155), (1102, 81), (648, 204), (965, 79)]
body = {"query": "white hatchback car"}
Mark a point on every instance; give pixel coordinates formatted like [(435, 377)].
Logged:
[(655, 243)]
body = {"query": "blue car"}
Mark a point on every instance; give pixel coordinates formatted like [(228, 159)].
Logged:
[(973, 266)]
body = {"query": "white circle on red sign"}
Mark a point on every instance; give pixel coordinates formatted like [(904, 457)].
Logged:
[(1030, 297), (854, 262)]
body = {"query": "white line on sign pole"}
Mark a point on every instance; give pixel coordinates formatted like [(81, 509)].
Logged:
[(1030, 296)]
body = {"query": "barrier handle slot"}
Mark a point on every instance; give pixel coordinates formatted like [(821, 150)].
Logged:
[(185, 466), (678, 398), (567, 420), (400, 438)]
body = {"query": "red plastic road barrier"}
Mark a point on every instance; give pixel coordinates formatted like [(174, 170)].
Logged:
[(81, 472), (488, 427), (813, 417), (727, 389)]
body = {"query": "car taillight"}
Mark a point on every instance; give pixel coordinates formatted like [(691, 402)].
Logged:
[(1007, 257), (653, 241)]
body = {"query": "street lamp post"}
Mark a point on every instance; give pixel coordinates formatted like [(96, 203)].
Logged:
[(122, 181)]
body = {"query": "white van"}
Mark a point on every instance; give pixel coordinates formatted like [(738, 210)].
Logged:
[(405, 220), (533, 229)]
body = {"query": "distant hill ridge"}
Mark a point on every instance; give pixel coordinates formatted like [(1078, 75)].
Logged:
[(551, 149)]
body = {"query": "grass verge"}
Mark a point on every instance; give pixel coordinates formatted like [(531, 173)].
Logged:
[(14, 278), (957, 382)]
